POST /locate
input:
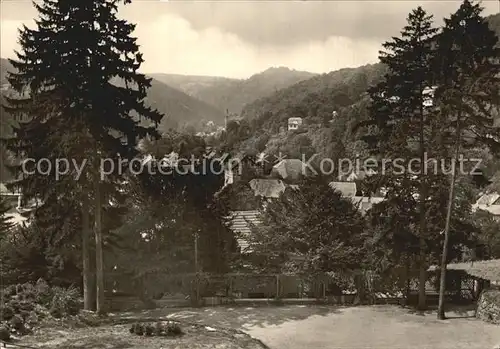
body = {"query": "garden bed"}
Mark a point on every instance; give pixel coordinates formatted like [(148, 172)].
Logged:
[(120, 336)]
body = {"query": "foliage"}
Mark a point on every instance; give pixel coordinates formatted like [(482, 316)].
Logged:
[(30, 253), (75, 110), (489, 237), (309, 230), (173, 206), (406, 123), (167, 329), (26, 305)]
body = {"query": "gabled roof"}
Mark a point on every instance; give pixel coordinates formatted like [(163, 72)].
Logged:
[(5, 191), (488, 202), (16, 218), (364, 203), (269, 188), (241, 222), (345, 188), (291, 169), (488, 199), (488, 270), (358, 174)]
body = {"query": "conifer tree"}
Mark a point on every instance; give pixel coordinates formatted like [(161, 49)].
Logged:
[(65, 70), (399, 125), (469, 89)]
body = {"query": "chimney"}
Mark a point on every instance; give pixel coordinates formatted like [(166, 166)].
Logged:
[(226, 117)]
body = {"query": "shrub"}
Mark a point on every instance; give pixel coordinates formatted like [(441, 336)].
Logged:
[(17, 323), (170, 329), (27, 304), (173, 329), (4, 333), (7, 313), (65, 301)]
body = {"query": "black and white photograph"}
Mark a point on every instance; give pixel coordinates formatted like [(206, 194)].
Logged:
[(266, 174)]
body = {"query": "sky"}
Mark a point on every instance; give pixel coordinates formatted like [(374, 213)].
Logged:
[(240, 38)]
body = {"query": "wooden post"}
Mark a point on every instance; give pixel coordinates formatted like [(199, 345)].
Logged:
[(89, 301), (277, 286), (230, 287), (98, 239)]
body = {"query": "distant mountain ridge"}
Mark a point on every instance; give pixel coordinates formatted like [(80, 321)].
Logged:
[(5, 66), (234, 94), (192, 84), (178, 107)]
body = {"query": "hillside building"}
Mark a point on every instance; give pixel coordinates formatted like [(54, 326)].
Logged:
[(294, 123)]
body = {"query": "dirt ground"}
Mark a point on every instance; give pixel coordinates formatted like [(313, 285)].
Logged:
[(322, 327)]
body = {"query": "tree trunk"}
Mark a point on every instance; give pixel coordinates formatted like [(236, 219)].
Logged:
[(100, 302), (88, 292), (407, 282), (422, 279), (444, 257)]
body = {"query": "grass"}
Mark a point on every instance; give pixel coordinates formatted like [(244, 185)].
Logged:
[(119, 337)]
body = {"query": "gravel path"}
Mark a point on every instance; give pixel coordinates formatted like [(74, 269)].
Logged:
[(374, 327)]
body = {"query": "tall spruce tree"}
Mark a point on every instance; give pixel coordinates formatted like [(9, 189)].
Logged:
[(75, 111), (469, 89), (399, 126)]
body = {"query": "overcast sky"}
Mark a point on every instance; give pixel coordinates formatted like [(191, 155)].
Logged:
[(241, 38)]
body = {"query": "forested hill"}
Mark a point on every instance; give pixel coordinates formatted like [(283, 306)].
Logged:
[(178, 107), (235, 94), (330, 105), (5, 66), (494, 21), (315, 98), (322, 94)]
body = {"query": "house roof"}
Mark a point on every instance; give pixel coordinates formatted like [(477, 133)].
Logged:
[(488, 270), (488, 199), (241, 222), (269, 188), (359, 174), (292, 169), (488, 202), (345, 188), (16, 218), (365, 203), (5, 191)]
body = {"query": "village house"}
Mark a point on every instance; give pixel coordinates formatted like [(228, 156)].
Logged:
[(241, 166), (242, 223), (489, 202), (291, 170), (294, 123), (14, 200)]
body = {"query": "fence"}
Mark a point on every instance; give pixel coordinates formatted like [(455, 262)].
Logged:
[(194, 289), (13, 346), (360, 286)]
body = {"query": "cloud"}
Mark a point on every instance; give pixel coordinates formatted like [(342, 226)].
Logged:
[(171, 44), (240, 38), (288, 23)]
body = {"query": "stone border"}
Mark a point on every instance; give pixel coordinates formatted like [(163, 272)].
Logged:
[(233, 333)]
